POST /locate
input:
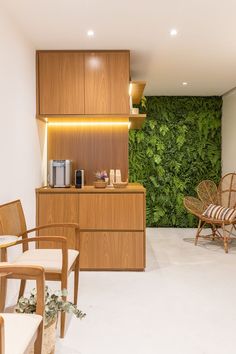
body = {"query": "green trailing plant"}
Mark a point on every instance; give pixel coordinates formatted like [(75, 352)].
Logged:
[(54, 303), (179, 146)]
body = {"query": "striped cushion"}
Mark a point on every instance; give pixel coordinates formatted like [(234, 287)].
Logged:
[(220, 213)]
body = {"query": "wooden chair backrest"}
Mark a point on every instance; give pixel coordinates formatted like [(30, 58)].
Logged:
[(12, 219), (24, 272), (207, 192), (227, 191)]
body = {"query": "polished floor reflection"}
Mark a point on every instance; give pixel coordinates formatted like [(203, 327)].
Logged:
[(182, 304)]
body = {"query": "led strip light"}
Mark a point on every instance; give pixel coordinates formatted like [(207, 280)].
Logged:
[(88, 124)]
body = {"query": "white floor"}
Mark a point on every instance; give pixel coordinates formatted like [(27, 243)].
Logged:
[(184, 303)]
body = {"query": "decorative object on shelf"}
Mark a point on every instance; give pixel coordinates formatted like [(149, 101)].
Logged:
[(120, 184), (102, 179), (118, 176), (100, 184), (101, 175), (54, 303), (112, 177), (135, 110)]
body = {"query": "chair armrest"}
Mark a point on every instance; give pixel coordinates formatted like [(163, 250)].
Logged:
[(62, 240), (59, 239), (47, 226), (28, 272)]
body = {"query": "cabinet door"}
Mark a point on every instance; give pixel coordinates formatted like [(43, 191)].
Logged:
[(97, 87), (111, 211), (112, 250), (57, 208), (60, 83), (119, 82), (107, 83)]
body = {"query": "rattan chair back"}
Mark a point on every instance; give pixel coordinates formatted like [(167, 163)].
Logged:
[(194, 206), (207, 192), (227, 191)]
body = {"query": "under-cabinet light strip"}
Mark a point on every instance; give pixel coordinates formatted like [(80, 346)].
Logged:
[(87, 124)]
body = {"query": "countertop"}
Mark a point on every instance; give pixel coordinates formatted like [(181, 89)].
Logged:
[(131, 188)]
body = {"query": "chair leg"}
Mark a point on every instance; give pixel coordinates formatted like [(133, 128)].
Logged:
[(213, 228), (63, 314), (39, 340), (22, 288), (76, 281), (200, 226), (226, 239), (3, 293), (3, 281)]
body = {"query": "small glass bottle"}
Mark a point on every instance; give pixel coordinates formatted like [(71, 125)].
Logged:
[(112, 177), (118, 176)]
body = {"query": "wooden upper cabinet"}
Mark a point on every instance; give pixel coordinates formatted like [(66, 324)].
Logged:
[(107, 83), (119, 89), (80, 82), (60, 83), (97, 83)]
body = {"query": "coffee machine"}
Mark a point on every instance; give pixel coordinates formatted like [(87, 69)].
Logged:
[(59, 173)]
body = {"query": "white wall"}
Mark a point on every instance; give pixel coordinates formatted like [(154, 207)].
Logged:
[(229, 133), (20, 148)]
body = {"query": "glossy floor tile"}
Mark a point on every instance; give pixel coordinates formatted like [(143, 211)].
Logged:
[(183, 304)]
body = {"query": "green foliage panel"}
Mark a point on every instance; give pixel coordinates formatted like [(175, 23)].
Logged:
[(179, 146)]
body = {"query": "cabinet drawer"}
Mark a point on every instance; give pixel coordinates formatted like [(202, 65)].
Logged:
[(57, 208), (103, 211), (112, 250)]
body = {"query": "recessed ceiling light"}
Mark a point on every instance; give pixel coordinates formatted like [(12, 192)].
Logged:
[(90, 33), (184, 83), (173, 32)]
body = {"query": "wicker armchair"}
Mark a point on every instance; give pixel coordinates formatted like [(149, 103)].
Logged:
[(208, 193)]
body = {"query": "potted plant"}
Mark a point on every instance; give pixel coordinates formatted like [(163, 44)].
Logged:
[(101, 179), (54, 304)]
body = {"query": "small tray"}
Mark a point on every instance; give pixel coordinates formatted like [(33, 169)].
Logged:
[(120, 184), (100, 184)]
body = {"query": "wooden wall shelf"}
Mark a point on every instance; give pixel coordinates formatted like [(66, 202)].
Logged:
[(137, 90), (137, 120)]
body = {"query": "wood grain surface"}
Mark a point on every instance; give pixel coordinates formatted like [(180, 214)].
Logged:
[(111, 211), (60, 83), (90, 148), (112, 250), (56, 209)]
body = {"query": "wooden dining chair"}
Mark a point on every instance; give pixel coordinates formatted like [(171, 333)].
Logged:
[(57, 262), (19, 332)]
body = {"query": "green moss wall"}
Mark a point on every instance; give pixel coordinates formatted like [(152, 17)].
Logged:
[(179, 145)]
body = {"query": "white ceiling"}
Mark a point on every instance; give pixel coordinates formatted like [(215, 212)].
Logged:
[(203, 53)]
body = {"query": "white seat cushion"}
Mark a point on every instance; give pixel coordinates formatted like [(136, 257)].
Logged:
[(19, 331), (49, 259)]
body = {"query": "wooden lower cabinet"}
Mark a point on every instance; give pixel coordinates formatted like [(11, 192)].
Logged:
[(112, 250), (57, 208), (111, 211), (112, 224)]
